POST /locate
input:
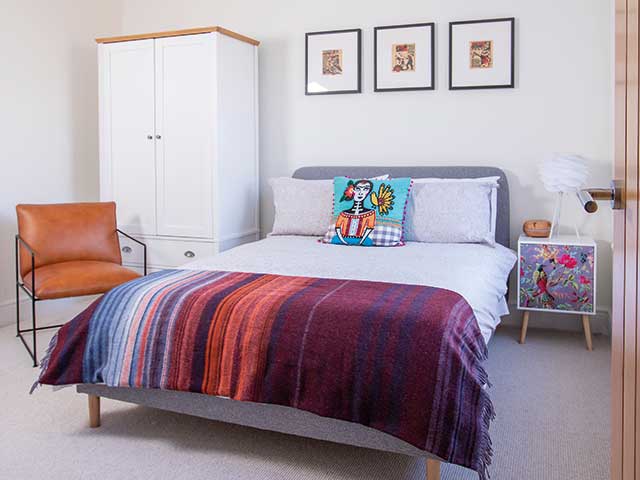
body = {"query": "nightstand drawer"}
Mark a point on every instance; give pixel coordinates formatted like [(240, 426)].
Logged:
[(165, 253), (557, 276)]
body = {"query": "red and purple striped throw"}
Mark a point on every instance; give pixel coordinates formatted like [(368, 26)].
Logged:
[(403, 359)]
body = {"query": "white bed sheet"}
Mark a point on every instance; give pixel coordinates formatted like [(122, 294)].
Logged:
[(477, 272)]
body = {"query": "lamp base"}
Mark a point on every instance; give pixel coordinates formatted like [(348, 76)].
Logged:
[(557, 213)]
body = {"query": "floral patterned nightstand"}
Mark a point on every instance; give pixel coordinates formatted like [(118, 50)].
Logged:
[(558, 275)]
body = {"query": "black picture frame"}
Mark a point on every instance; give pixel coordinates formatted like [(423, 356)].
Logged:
[(358, 89), (511, 84), (432, 27)]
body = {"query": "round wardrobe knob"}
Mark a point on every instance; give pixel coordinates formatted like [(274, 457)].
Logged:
[(189, 254), (126, 249)]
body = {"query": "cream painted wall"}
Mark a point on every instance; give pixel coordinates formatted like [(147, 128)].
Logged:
[(563, 101), (48, 109)]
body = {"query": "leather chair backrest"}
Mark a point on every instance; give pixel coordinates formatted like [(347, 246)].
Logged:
[(68, 232)]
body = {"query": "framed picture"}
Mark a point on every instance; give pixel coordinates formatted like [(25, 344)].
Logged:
[(482, 54), (333, 62), (404, 57)]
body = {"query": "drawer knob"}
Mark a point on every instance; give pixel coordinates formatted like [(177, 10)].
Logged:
[(126, 249), (189, 254)]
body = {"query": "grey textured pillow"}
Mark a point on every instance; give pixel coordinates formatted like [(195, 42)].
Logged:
[(303, 207), (451, 212)]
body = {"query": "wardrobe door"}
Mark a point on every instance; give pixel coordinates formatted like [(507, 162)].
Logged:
[(185, 113), (127, 123)]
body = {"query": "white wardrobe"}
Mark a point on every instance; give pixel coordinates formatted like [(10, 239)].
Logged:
[(179, 142)]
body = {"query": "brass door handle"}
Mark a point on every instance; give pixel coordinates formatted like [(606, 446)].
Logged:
[(589, 196)]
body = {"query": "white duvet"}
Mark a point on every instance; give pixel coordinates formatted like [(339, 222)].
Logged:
[(477, 272)]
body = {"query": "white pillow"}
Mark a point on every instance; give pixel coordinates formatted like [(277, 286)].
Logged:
[(452, 210), (303, 207)]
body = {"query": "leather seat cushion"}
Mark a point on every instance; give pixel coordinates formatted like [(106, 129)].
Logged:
[(74, 279)]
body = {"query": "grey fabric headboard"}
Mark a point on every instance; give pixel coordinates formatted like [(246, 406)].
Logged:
[(502, 222)]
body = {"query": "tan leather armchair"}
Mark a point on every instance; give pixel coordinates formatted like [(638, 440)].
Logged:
[(66, 250)]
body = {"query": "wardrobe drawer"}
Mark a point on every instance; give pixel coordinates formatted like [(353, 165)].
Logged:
[(165, 253)]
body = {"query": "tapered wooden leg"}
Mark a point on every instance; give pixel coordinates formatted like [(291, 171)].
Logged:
[(587, 331), (525, 324), (433, 469), (94, 411)]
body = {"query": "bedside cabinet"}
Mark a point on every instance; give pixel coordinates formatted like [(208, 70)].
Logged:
[(557, 275)]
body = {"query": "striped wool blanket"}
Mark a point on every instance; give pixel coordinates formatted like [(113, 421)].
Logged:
[(403, 359)]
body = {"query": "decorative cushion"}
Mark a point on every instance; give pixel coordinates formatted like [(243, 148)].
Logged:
[(368, 212), (452, 211), (302, 207)]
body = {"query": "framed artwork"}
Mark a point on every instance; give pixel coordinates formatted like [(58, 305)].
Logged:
[(333, 62), (404, 57), (482, 54)]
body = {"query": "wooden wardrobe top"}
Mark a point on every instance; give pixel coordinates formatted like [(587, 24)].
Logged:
[(177, 33)]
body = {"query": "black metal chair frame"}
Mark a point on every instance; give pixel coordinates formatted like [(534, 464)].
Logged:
[(33, 353)]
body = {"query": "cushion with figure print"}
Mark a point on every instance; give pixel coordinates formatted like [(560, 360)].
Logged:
[(368, 212)]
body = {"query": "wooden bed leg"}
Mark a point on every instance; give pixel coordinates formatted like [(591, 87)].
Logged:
[(94, 411), (433, 469)]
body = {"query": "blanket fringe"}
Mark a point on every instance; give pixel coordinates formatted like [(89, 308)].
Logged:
[(44, 363), (479, 353), (487, 414), (485, 447)]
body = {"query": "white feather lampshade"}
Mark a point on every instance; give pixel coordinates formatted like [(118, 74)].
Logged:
[(564, 173)]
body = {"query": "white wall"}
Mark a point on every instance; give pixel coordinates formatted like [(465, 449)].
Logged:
[(48, 109), (563, 101)]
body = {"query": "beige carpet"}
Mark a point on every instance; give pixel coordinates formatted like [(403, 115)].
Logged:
[(551, 397)]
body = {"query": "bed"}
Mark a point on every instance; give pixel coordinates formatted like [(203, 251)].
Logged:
[(481, 282)]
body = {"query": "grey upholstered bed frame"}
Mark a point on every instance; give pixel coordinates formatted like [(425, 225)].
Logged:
[(286, 419), (502, 218)]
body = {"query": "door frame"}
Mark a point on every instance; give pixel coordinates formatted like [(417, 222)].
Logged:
[(625, 341)]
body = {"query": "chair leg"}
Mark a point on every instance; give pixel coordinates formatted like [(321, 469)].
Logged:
[(33, 322), (17, 309), (17, 265)]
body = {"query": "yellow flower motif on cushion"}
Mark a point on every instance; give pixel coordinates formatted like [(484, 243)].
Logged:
[(383, 199)]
